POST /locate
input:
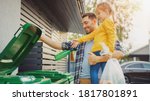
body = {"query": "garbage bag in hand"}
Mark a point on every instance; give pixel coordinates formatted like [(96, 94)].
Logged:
[(112, 73)]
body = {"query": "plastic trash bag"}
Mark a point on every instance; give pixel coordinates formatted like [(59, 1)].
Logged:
[(112, 73)]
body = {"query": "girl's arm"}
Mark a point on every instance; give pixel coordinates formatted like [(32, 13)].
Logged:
[(88, 37), (85, 38)]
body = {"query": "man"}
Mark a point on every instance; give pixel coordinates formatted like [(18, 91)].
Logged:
[(83, 59)]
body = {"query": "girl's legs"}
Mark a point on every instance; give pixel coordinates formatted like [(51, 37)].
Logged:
[(94, 70), (103, 65)]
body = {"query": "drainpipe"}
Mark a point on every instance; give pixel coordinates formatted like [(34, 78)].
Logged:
[(68, 69)]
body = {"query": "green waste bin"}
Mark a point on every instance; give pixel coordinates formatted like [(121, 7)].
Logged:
[(16, 50), (8, 79), (10, 58), (55, 76)]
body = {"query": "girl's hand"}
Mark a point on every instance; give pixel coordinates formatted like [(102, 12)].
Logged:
[(75, 43)]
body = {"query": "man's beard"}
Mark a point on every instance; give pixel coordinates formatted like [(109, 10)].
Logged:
[(87, 32)]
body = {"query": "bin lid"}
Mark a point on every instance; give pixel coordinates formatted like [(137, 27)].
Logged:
[(18, 47)]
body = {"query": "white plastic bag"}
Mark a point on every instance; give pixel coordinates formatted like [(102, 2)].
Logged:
[(112, 73)]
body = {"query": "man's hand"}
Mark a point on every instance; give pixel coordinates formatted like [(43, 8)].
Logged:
[(75, 43), (92, 58), (118, 54)]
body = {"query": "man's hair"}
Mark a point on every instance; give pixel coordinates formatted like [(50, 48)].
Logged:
[(90, 15)]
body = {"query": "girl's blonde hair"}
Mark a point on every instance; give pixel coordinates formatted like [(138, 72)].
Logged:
[(106, 7)]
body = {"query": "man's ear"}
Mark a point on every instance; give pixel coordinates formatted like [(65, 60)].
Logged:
[(94, 21)]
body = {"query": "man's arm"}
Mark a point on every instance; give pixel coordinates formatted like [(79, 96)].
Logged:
[(93, 59), (54, 44), (50, 42), (118, 54)]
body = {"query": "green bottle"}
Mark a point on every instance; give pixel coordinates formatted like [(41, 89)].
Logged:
[(67, 49), (62, 54)]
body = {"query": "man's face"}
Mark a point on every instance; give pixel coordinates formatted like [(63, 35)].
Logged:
[(88, 24)]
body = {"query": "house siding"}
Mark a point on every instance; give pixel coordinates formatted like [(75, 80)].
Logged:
[(41, 56)]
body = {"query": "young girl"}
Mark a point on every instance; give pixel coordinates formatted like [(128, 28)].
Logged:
[(105, 33)]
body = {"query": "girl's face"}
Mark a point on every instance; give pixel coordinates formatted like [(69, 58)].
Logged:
[(101, 15)]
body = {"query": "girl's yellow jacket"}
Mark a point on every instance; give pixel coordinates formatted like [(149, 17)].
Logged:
[(104, 33)]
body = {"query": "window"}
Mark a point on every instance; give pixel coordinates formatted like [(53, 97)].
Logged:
[(147, 66), (123, 66), (135, 66)]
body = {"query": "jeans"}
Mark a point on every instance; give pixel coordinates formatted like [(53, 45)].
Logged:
[(94, 70)]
